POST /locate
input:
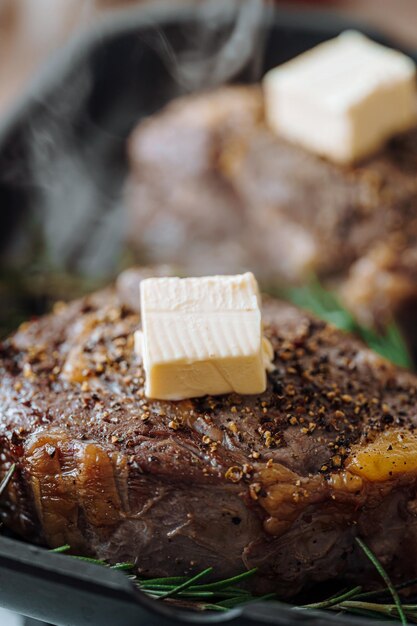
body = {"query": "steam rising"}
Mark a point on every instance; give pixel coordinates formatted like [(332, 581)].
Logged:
[(217, 54), (75, 141)]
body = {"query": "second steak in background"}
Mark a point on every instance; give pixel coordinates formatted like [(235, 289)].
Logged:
[(212, 187)]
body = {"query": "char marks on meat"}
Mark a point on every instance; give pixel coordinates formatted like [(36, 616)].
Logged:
[(282, 481)]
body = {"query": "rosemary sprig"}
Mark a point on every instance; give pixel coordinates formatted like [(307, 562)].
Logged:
[(391, 610), (357, 602), (381, 571), (327, 306), (222, 595), (412, 582), (61, 549), (228, 582), (334, 600), (219, 595), (178, 589)]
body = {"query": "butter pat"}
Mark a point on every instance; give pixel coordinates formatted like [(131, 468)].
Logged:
[(343, 99), (202, 336)]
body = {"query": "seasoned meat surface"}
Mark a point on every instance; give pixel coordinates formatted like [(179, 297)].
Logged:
[(212, 187), (283, 481)]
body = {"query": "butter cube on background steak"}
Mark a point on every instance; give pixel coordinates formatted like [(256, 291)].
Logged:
[(344, 98)]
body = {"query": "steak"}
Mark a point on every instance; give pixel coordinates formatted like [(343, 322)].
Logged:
[(283, 481), (211, 187)]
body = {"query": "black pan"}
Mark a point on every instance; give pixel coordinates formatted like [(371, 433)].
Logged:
[(62, 168), (68, 592), (62, 149)]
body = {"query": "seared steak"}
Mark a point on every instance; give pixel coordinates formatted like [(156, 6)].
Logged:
[(211, 186), (283, 481)]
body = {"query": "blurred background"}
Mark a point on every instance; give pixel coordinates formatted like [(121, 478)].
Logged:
[(30, 30)]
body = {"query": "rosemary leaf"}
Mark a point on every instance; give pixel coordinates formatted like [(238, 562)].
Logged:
[(214, 607), (381, 571), (390, 610), (326, 604), (234, 591), (233, 601), (88, 559), (225, 593), (364, 613), (117, 566), (61, 549), (123, 567), (186, 584), (193, 595), (170, 580), (229, 581), (326, 305), (383, 592), (155, 587)]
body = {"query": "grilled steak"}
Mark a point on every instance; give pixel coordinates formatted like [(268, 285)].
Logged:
[(212, 187), (283, 481)]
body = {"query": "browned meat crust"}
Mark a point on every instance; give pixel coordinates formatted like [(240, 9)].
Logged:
[(229, 481), (211, 187)]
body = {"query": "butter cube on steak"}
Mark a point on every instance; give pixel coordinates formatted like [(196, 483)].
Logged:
[(283, 481), (212, 186)]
